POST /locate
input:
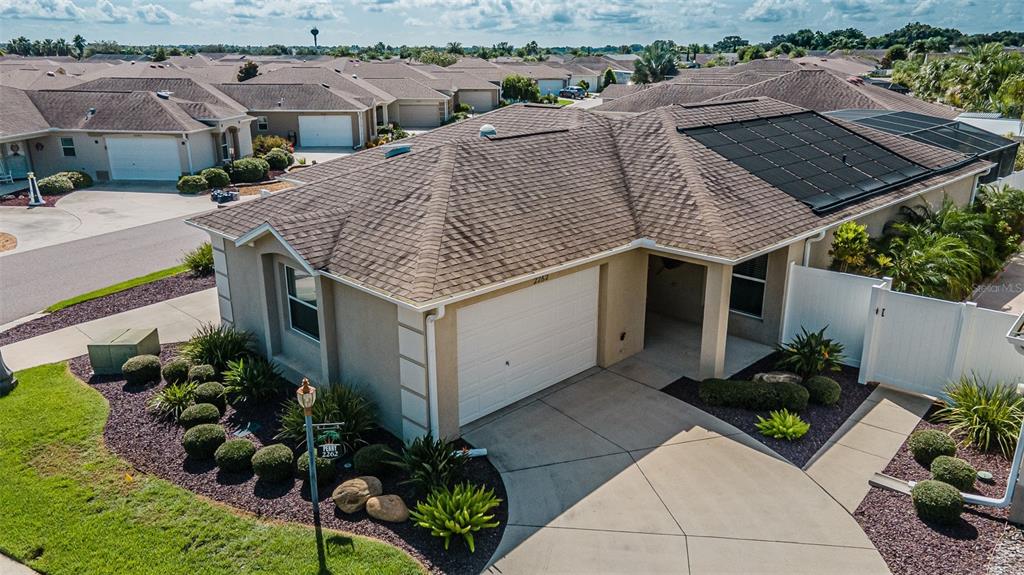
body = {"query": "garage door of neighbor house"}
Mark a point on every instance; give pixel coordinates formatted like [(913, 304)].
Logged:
[(325, 131), (517, 344), (479, 100), (549, 86), (419, 116), (152, 158)]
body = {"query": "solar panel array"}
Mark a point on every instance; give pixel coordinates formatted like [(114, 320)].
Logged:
[(949, 134), (812, 159)]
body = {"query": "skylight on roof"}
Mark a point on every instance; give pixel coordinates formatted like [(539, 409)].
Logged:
[(814, 160)]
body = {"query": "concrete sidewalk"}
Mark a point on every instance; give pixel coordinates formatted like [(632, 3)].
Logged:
[(9, 566), (175, 319), (866, 443), (1005, 292)]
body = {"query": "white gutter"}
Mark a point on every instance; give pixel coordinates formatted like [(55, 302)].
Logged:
[(435, 424), (188, 151), (807, 246)]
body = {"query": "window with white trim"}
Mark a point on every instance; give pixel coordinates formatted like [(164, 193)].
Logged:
[(748, 281), (67, 146), (302, 313), (262, 125), (225, 147)]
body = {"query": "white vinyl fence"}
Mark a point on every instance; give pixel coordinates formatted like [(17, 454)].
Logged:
[(1014, 180), (908, 341)]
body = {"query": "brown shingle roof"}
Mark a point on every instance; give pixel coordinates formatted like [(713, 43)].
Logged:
[(462, 212), (407, 89), (117, 111), (18, 115), (179, 86), (306, 97)]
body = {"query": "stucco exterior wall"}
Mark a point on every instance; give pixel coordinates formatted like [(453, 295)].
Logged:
[(286, 124), (676, 292), (959, 192), (91, 153), (204, 150), (768, 328), (480, 100)]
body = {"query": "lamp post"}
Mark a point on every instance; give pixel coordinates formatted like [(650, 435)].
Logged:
[(7, 379), (306, 396)]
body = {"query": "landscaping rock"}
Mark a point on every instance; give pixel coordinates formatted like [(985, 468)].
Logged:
[(351, 496), (777, 377), (388, 508)]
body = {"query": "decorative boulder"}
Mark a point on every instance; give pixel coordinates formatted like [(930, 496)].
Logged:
[(351, 496), (388, 508), (777, 377)]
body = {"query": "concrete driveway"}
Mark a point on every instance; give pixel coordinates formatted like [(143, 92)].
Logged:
[(104, 208), (607, 475)]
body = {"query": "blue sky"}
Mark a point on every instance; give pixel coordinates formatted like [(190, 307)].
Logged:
[(559, 22)]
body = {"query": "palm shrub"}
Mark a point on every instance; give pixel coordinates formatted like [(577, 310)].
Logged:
[(782, 424), (461, 511), (199, 261), (1004, 207), (811, 353), (338, 403), (172, 400), (949, 220), (252, 379), (430, 464), (986, 416), (851, 248), (931, 265), (216, 345)]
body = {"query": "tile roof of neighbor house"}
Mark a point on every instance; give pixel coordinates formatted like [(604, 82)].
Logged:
[(18, 115), (113, 111), (303, 97), (459, 212), (406, 89)]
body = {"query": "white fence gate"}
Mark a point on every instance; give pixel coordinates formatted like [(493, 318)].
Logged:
[(908, 341)]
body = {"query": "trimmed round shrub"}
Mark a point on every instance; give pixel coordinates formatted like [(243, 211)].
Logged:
[(937, 502), (213, 393), (202, 373), (79, 179), (823, 390), (278, 159), (193, 185), (248, 170), (141, 370), (928, 444), (55, 185), (215, 177), (176, 370), (954, 471), (326, 471), (372, 460), (273, 463), (235, 455), (201, 441), (792, 396), (754, 395), (199, 414)]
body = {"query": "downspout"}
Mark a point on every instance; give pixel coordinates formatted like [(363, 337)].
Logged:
[(435, 425), (807, 245), (188, 151)]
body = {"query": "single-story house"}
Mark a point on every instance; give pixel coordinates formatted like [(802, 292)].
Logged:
[(455, 274), (416, 105), (116, 135)]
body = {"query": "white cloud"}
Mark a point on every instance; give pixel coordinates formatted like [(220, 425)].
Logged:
[(774, 10), (41, 10), (106, 11), (154, 14), (253, 10), (103, 11)]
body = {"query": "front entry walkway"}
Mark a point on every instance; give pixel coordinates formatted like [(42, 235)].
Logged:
[(606, 475)]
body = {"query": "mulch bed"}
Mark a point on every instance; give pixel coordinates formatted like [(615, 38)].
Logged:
[(824, 420), (153, 446), (19, 199), (910, 546), (131, 298)]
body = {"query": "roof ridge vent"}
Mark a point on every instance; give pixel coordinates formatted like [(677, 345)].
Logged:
[(392, 150), (488, 131), (164, 94), (324, 85)]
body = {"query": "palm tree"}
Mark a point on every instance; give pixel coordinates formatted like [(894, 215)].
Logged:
[(455, 48), (655, 63), (79, 43), (932, 265), (61, 47)]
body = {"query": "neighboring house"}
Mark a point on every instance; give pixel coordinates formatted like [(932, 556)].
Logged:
[(549, 79), (730, 58), (460, 274), (615, 91), (117, 134), (847, 65), (622, 67), (416, 105)]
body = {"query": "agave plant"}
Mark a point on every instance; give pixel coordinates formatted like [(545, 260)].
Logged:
[(173, 399), (430, 463), (463, 511), (216, 345), (782, 424), (811, 353), (983, 415)]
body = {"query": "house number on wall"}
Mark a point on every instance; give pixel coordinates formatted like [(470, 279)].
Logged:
[(540, 279)]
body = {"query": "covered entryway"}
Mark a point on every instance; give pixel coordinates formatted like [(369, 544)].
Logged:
[(325, 131), (516, 344), (419, 115), (152, 158)]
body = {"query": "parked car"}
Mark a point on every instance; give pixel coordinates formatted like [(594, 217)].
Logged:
[(572, 92)]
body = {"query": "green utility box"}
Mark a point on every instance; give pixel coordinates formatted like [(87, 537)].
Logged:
[(109, 353)]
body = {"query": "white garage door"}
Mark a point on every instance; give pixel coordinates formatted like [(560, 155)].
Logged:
[(419, 115), (549, 86), (517, 344), (325, 131), (480, 100), (144, 158)]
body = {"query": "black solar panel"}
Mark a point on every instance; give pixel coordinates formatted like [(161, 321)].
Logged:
[(811, 158)]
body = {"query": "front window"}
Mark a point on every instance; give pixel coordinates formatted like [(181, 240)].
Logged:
[(262, 124), (67, 146), (225, 148), (748, 281), (302, 314)]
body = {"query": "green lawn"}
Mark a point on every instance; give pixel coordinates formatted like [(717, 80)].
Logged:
[(565, 101), (148, 278), (69, 506)]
